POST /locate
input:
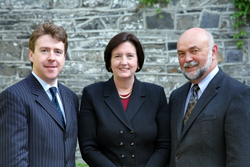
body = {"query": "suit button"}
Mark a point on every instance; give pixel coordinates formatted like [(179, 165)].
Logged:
[(132, 144), (121, 132), (132, 155), (177, 157), (131, 131), (121, 143), (122, 156)]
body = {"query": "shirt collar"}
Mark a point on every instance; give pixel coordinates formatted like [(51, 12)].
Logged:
[(44, 84), (203, 84)]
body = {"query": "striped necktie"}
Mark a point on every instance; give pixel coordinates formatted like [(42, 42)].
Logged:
[(191, 104), (53, 91)]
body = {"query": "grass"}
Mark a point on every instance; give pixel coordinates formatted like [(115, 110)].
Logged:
[(81, 165)]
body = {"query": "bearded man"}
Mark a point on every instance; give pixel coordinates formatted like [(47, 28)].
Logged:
[(210, 115)]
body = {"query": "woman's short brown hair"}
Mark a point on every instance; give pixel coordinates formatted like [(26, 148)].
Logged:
[(117, 40), (56, 32)]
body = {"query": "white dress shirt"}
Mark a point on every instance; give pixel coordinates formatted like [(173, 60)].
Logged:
[(46, 87)]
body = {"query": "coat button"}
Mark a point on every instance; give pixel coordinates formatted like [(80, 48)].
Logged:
[(121, 143), (132, 155), (121, 132), (132, 144), (131, 131), (122, 156), (177, 157)]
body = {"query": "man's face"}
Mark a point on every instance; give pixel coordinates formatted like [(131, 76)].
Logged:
[(195, 57), (48, 58)]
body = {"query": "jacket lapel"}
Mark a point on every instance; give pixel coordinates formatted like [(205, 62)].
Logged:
[(206, 97), (136, 99), (43, 99), (180, 106), (112, 99), (66, 105)]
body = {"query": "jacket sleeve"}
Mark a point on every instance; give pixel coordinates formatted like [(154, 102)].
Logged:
[(162, 151), (13, 131), (87, 129), (237, 131)]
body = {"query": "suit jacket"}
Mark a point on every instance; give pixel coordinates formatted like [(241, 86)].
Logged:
[(217, 133), (31, 133), (109, 136)]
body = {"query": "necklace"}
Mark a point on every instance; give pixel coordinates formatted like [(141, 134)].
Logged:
[(125, 96)]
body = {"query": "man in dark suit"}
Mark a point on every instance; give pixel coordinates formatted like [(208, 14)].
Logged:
[(38, 127), (209, 123)]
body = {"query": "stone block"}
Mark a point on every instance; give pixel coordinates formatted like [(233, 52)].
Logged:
[(123, 4), (90, 24), (153, 68), (173, 69), (65, 4), (187, 21), (234, 55), (154, 47), (23, 72), (210, 20), (8, 69), (10, 51), (171, 82), (72, 68), (236, 70), (111, 22), (155, 22), (87, 56), (96, 3), (172, 46), (173, 58), (134, 22), (146, 77)]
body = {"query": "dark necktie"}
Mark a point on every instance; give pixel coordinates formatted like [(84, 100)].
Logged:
[(191, 104), (53, 91)]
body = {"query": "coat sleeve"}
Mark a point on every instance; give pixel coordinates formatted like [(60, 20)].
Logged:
[(87, 130), (13, 131), (162, 150), (237, 130)]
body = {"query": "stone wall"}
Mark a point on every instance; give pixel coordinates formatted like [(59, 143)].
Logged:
[(90, 25)]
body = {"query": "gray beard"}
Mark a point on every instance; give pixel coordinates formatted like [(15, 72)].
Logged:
[(199, 73)]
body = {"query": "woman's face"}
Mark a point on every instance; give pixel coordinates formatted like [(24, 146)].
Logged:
[(124, 61)]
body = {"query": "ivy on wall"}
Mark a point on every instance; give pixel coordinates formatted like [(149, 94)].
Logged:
[(240, 17), (149, 3)]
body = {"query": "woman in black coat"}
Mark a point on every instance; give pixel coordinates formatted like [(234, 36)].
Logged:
[(124, 122)]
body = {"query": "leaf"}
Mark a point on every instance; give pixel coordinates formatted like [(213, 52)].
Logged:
[(158, 10), (240, 43), (236, 25), (243, 33), (236, 36)]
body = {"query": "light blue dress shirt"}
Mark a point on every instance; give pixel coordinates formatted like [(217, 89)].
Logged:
[(202, 85)]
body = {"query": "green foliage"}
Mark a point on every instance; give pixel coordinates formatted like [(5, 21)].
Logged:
[(149, 3), (240, 17), (81, 165)]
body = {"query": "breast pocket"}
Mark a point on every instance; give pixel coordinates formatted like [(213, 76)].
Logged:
[(206, 118)]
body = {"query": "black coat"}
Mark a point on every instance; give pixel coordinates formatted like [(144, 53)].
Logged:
[(217, 133), (109, 136)]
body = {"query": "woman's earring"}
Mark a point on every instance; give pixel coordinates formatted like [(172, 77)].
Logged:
[(138, 68)]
